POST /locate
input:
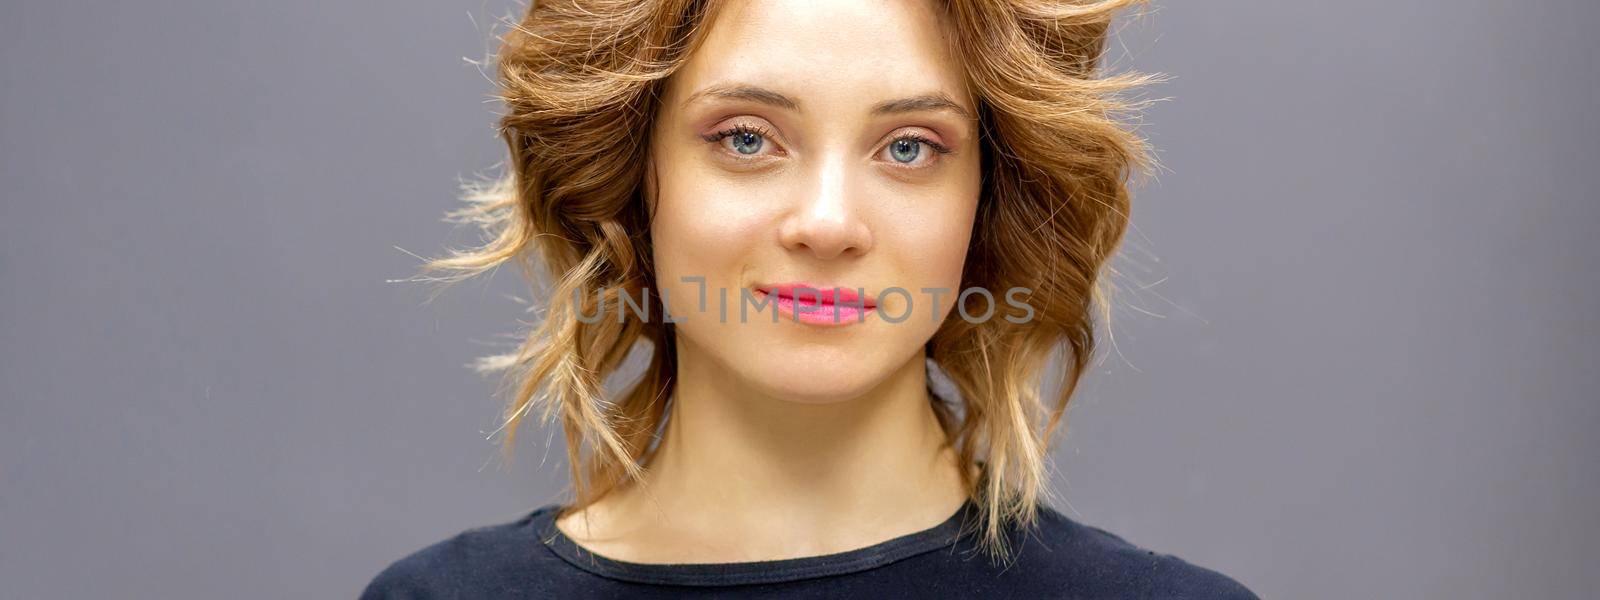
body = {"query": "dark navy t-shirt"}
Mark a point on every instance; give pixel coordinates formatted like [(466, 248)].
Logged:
[(531, 558)]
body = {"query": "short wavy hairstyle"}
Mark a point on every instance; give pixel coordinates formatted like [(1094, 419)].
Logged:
[(581, 80)]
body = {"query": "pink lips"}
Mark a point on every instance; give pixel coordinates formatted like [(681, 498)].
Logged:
[(818, 305)]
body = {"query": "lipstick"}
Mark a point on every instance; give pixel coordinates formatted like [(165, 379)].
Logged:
[(816, 304)]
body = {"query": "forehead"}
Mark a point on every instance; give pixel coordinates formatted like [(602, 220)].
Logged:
[(832, 52)]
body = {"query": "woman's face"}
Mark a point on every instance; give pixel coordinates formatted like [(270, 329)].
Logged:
[(823, 143)]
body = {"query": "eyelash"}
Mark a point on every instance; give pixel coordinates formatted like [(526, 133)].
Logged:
[(736, 130), (717, 137), (917, 137)]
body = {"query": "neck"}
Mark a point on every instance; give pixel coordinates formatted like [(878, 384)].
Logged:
[(734, 464)]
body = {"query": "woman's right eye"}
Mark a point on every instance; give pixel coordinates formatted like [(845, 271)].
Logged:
[(743, 141)]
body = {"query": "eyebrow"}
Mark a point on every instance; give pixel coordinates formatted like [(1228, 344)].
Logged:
[(935, 102), (745, 92), (924, 102)]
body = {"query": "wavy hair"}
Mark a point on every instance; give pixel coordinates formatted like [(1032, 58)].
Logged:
[(580, 81)]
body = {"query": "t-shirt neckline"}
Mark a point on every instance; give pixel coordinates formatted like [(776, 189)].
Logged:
[(942, 535)]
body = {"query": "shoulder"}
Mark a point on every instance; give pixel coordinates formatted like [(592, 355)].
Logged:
[(1089, 561), (503, 557)]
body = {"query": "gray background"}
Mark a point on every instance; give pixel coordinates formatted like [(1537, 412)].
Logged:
[(1354, 355)]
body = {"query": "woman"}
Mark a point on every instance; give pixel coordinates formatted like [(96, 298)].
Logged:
[(819, 201)]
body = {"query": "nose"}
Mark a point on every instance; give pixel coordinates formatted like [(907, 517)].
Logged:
[(826, 221)]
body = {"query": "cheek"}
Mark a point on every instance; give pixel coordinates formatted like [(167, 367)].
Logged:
[(701, 230), (929, 238), (947, 242)]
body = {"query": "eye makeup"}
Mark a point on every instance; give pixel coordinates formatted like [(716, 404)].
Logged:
[(915, 141), (908, 149), (740, 129)]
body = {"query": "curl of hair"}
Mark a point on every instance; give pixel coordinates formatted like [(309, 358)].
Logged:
[(580, 82)]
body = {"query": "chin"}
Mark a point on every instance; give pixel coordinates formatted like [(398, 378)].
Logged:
[(816, 377)]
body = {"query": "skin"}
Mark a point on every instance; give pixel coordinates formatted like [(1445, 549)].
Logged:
[(791, 439)]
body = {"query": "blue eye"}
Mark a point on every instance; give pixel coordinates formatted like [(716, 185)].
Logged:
[(905, 149), (746, 142)]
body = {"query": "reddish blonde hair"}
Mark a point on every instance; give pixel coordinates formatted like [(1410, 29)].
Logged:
[(580, 80)]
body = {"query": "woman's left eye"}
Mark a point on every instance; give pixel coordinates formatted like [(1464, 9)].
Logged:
[(905, 149), (913, 150)]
